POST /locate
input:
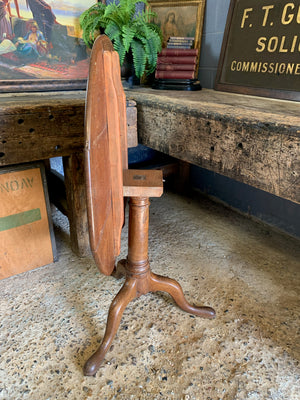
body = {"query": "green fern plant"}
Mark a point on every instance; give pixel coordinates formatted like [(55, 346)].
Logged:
[(131, 32)]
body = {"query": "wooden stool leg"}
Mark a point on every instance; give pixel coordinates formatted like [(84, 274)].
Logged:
[(165, 284), (117, 307)]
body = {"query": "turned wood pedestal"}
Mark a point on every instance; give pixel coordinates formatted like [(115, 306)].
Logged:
[(139, 280)]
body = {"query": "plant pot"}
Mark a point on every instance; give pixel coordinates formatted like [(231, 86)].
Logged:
[(127, 67), (127, 71)]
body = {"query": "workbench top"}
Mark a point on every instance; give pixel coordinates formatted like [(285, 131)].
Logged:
[(227, 105)]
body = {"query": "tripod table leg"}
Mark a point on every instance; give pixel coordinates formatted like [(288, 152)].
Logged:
[(117, 307), (165, 284)]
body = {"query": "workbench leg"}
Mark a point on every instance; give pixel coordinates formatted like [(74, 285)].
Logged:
[(76, 202), (183, 180)]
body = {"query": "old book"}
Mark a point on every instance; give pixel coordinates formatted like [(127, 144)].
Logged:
[(179, 46), (184, 42), (174, 74), (178, 38), (176, 60), (178, 52), (176, 67)]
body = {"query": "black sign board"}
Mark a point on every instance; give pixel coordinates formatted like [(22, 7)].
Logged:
[(261, 49)]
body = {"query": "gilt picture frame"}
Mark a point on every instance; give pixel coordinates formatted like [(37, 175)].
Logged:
[(188, 18), (41, 46)]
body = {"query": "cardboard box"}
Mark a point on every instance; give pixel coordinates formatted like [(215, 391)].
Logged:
[(26, 231)]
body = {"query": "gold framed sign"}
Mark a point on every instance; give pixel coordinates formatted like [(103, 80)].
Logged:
[(261, 49)]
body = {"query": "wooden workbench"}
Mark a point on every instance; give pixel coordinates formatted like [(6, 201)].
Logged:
[(39, 126), (251, 139)]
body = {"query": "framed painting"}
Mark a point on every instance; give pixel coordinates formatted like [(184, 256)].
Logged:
[(41, 48), (180, 19), (260, 50)]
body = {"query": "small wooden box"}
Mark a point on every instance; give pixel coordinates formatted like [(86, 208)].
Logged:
[(26, 232)]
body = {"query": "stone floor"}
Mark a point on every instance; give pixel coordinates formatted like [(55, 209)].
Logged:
[(53, 318)]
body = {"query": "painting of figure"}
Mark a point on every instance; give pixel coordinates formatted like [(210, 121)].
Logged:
[(169, 26), (43, 15), (175, 21), (34, 44), (179, 18), (42, 39), (5, 24)]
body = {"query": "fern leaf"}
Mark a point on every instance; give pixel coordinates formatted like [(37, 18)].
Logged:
[(139, 57)]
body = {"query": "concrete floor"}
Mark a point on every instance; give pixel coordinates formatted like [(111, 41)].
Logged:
[(53, 318)]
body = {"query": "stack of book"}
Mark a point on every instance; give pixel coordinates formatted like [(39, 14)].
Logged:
[(175, 42), (176, 64)]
